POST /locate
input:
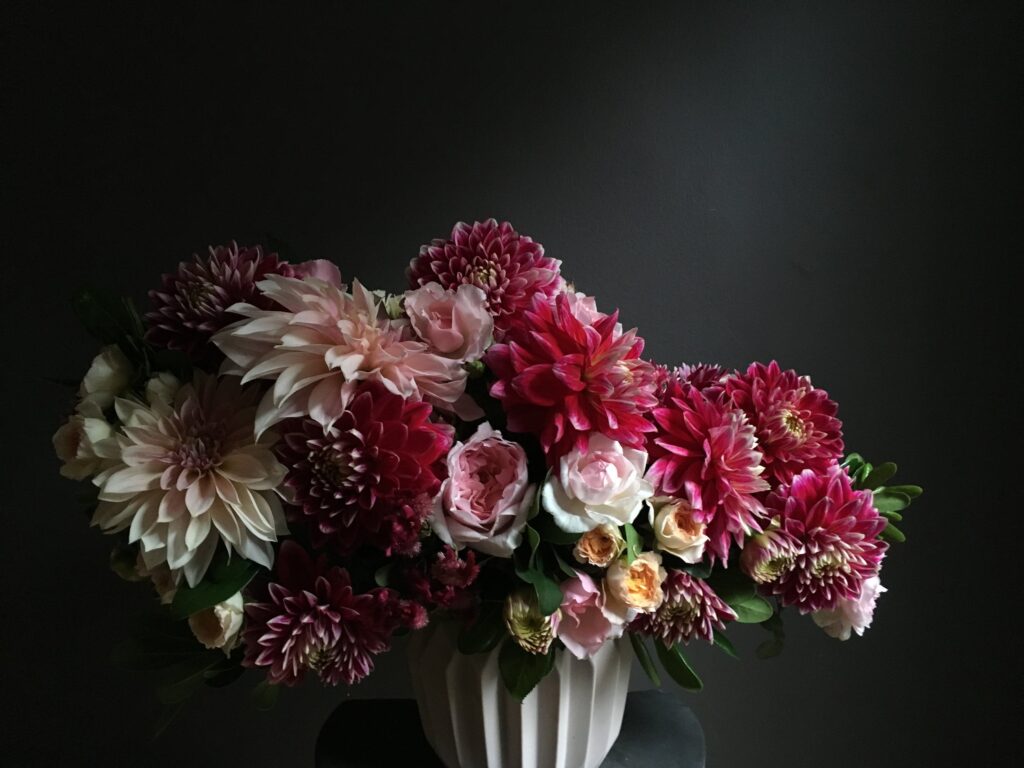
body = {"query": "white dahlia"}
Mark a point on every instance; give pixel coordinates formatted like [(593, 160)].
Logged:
[(190, 475), (323, 342)]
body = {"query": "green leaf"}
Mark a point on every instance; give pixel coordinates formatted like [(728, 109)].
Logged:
[(549, 594), (521, 671), (769, 649), (563, 566), (890, 501), (732, 585), (535, 506), (697, 570), (772, 647), (633, 544), (751, 610), (264, 695), (879, 475), (382, 575), (725, 643), (892, 533), (893, 516), (486, 632), (678, 668), (910, 491), (551, 533), (640, 649), (224, 578)]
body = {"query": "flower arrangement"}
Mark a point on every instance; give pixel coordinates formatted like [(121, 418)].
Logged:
[(304, 468)]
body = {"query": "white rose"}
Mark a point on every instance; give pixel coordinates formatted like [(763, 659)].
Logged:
[(851, 615), (84, 442), (602, 484), (676, 530), (218, 626), (107, 377)]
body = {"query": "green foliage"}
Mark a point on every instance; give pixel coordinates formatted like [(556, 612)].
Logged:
[(633, 543), (640, 649), (752, 610), (486, 632), (225, 577), (773, 646), (520, 670), (529, 568), (675, 663), (725, 644), (890, 501)]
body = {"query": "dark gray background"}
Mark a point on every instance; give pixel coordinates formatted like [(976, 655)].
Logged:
[(831, 184)]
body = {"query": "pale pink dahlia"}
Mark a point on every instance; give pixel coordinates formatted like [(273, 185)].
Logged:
[(564, 374), (510, 268), (796, 423), (705, 451), (382, 457), (194, 303), (838, 529), (190, 475), (311, 619), (707, 377), (323, 343), (690, 609)]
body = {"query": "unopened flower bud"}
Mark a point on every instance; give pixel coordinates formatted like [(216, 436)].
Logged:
[(532, 630)]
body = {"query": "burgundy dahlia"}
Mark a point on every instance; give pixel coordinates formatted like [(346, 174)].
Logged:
[(690, 609), (705, 451), (796, 423), (369, 478), (837, 528), (310, 619), (566, 370), (510, 268), (192, 304)]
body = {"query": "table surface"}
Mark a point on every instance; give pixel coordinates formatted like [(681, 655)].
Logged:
[(658, 729)]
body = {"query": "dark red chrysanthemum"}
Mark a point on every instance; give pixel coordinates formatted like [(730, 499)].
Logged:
[(566, 371), (690, 609), (510, 268), (310, 619), (444, 581), (838, 529), (705, 451), (192, 303), (796, 423), (369, 478)]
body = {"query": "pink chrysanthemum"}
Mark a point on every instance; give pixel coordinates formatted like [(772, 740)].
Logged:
[(690, 609), (369, 477), (310, 619), (326, 341), (509, 267), (706, 451), (796, 423), (838, 529), (566, 371), (194, 303)]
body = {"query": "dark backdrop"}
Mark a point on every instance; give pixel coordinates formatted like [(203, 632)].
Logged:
[(830, 184)]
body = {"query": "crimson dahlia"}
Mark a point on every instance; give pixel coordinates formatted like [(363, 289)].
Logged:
[(690, 609)]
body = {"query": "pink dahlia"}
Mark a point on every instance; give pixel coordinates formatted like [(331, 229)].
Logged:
[(194, 303), (705, 450), (326, 341), (311, 619), (838, 529), (690, 609), (565, 371), (370, 476), (510, 268), (704, 376), (796, 423)]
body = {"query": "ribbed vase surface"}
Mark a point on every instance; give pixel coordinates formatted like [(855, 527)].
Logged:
[(570, 720)]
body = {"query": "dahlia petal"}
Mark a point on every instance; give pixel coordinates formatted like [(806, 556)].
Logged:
[(145, 477)]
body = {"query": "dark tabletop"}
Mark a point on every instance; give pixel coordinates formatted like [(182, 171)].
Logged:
[(658, 729)]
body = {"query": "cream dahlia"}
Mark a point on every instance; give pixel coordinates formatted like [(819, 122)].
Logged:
[(705, 451), (795, 422), (510, 268), (324, 343), (189, 475), (690, 609), (838, 529), (565, 372)]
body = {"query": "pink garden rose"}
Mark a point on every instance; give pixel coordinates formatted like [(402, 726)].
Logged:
[(455, 323), (484, 502), (587, 620)]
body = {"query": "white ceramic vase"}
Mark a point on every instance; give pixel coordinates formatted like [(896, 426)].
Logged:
[(570, 720)]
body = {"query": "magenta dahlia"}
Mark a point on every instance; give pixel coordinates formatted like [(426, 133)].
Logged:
[(510, 268), (707, 377), (310, 619), (192, 304), (796, 422), (565, 371), (837, 528), (368, 478), (690, 609), (705, 450)]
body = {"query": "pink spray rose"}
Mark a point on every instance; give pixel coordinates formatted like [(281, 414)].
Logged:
[(455, 323), (587, 620), (484, 502)]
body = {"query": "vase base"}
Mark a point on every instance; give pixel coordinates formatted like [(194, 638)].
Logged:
[(658, 729)]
